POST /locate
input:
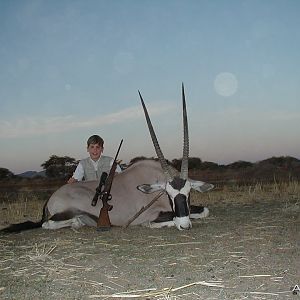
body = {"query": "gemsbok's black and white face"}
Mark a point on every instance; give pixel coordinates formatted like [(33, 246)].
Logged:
[(178, 191), (177, 186)]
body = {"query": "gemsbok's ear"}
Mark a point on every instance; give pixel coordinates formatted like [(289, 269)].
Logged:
[(151, 188), (201, 186)]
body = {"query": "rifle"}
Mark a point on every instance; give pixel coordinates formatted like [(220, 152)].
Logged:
[(104, 220), (99, 189)]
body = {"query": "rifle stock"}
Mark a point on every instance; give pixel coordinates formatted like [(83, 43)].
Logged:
[(104, 220)]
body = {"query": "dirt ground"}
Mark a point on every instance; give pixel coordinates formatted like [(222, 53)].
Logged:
[(241, 251)]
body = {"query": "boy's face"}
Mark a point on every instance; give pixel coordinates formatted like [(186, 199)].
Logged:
[(95, 151)]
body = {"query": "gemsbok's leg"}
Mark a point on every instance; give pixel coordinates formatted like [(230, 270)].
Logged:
[(198, 212)]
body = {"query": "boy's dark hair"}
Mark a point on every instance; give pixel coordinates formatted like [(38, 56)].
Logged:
[(95, 139)]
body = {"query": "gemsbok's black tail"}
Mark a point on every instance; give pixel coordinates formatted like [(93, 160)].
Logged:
[(15, 228)]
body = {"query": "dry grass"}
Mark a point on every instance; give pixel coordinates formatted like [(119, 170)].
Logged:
[(166, 293), (24, 206), (240, 252), (28, 205), (285, 192)]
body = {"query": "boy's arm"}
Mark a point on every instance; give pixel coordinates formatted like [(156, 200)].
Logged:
[(78, 174)]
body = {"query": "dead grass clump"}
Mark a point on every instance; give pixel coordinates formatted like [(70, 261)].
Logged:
[(23, 207)]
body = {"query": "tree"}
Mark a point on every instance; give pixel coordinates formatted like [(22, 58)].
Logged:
[(5, 174), (176, 163), (209, 165), (59, 166), (194, 163), (240, 164), (281, 162)]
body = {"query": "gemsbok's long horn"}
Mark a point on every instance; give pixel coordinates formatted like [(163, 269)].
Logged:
[(185, 154), (168, 172)]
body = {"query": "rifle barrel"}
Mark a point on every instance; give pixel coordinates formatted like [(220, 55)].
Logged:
[(118, 150)]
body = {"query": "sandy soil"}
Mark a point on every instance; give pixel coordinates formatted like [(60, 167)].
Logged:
[(242, 251)]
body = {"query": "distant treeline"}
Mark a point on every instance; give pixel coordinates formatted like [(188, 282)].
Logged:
[(274, 169), (281, 168)]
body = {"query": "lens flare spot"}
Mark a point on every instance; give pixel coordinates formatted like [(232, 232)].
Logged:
[(226, 84)]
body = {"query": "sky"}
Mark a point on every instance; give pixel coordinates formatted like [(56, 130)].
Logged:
[(72, 68)]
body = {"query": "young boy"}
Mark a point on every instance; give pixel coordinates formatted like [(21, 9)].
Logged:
[(91, 168)]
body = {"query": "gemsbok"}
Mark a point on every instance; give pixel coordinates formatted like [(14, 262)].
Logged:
[(132, 190)]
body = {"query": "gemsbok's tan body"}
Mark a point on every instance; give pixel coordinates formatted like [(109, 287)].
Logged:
[(131, 190)]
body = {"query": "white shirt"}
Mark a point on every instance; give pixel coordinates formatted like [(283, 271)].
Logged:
[(79, 172)]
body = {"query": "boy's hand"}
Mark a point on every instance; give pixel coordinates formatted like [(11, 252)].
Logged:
[(72, 180)]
